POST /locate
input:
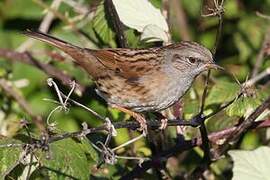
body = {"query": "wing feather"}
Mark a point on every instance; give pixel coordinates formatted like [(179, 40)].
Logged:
[(128, 63)]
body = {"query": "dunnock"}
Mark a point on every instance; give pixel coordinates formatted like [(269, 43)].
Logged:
[(139, 80)]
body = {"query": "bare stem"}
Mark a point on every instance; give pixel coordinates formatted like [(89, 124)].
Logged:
[(260, 56)]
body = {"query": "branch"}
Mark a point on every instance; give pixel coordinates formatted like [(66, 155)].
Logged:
[(218, 10), (262, 15), (117, 24), (50, 70), (243, 127), (182, 146)]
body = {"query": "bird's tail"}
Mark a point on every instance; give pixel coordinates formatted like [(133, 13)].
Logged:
[(64, 46), (82, 56)]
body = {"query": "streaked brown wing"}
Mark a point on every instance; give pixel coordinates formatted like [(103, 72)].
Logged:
[(128, 63)]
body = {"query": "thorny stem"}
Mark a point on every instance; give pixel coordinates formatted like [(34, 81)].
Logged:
[(220, 25), (185, 145), (243, 127), (136, 124), (218, 11), (204, 95), (67, 98)]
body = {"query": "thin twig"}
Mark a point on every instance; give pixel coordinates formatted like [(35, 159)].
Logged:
[(10, 145), (10, 91), (84, 107), (261, 54), (219, 30), (78, 7), (258, 77), (129, 142), (262, 15), (217, 11), (204, 95), (186, 145)]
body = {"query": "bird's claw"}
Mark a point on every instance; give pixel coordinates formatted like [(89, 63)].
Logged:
[(164, 124), (143, 128)]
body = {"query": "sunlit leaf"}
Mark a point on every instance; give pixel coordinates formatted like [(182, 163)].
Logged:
[(250, 165), (138, 14), (152, 33)]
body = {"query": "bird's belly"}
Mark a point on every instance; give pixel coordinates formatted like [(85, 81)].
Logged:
[(152, 97), (171, 95), (165, 97)]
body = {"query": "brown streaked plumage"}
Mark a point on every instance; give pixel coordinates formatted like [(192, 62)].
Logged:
[(140, 80)]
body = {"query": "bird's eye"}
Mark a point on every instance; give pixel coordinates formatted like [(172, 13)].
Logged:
[(192, 60)]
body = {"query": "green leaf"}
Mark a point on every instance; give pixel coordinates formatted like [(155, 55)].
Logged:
[(68, 159), (88, 148), (250, 165), (122, 136), (222, 91), (242, 106), (245, 105), (101, 26), (8, 155)]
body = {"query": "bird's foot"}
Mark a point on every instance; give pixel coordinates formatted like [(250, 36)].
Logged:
[(142, 121), (164, 124), (138, 117)]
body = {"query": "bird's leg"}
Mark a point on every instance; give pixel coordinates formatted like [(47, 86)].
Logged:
[(164, 124), (138, 117), (163, 119)]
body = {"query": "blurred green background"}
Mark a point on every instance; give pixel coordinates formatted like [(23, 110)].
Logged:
[(241, 39)]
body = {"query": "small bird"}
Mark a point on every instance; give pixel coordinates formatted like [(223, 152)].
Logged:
[(139, 80)]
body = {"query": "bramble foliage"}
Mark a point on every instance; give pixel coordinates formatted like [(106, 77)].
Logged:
[(31, 147)]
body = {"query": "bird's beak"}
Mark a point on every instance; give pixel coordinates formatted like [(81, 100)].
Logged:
[(214, 66)]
